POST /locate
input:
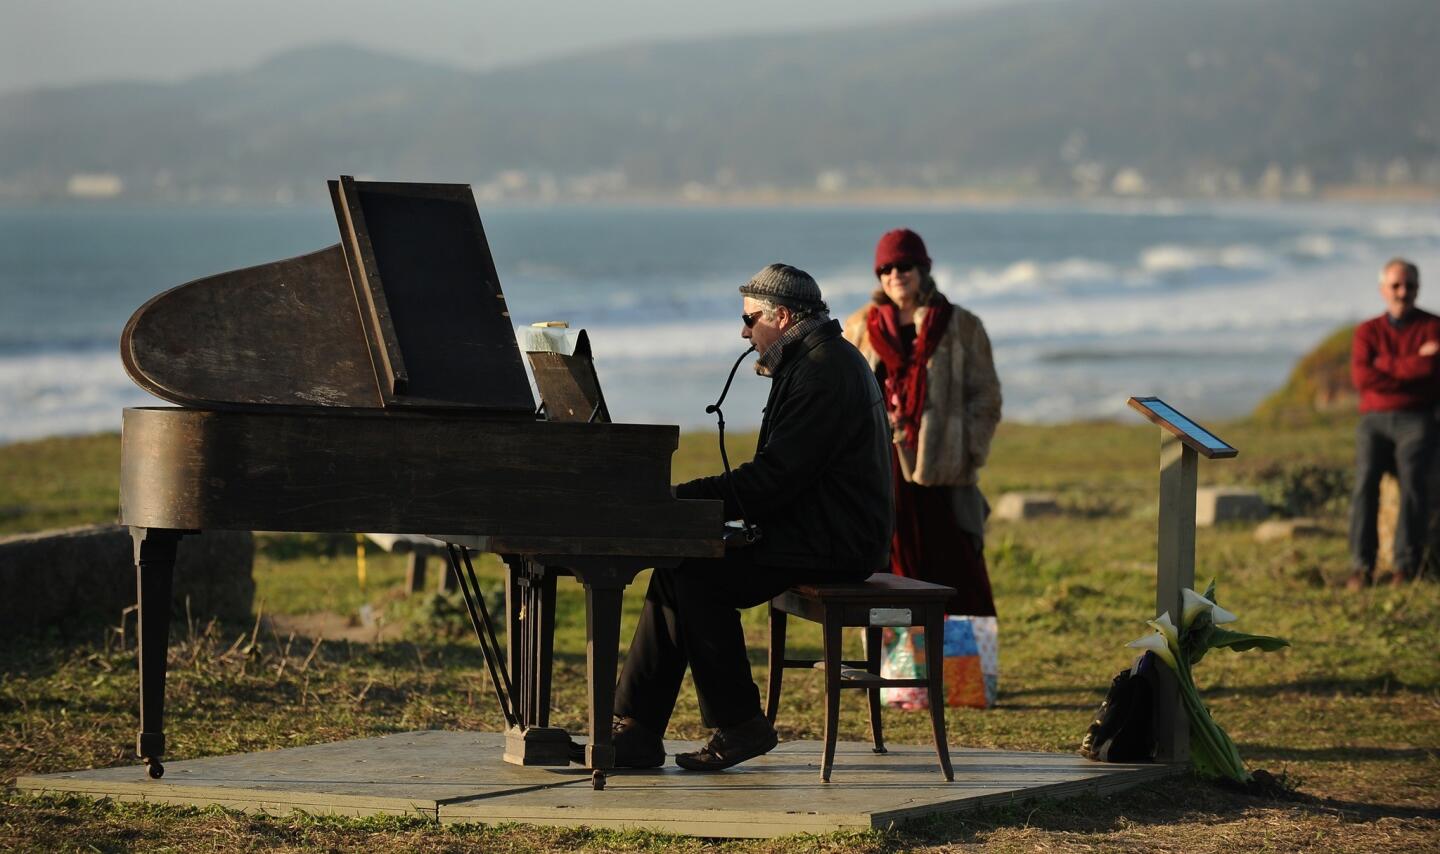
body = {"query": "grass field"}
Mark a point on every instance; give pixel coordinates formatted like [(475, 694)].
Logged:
[(1350, 714)]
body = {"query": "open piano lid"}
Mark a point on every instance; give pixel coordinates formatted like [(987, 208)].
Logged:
[(406, 312)]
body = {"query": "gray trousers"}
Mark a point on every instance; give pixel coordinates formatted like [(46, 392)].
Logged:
[(1401, 442)]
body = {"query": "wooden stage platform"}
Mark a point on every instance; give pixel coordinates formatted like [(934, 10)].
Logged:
[(459, 777)]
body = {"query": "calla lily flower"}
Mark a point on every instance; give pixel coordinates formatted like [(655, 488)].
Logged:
[(1212, 752), (1219, 615), (1195, 605), (1163, 625), (1157, 644)]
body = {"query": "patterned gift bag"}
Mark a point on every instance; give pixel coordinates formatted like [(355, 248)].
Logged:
[(971, 664)]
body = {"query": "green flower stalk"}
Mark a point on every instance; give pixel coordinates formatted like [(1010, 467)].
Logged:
[(1212, 752)]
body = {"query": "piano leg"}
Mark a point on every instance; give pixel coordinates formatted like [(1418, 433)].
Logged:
[(604, 580), (530, 636), (514, 600), (530, 589), (602, 645), (530, 621), (544, 623), (154, 571)]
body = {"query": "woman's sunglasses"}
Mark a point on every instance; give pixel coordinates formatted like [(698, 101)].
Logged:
[(901, 268)]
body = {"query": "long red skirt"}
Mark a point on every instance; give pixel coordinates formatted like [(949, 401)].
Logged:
[(930, 545)]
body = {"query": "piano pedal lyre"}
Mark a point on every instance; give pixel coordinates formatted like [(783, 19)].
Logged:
[(526, 743), (484, 629)]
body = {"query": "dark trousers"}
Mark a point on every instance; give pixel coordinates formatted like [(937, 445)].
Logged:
[(691, 618), (1401, 442)]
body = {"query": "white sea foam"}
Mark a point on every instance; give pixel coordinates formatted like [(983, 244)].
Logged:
[(1212, 326), (1304, 299), (1025, 277), (1169, 260), (1220, 348), (1316, 246), (846, 288), (1406, 226), (63, 393)]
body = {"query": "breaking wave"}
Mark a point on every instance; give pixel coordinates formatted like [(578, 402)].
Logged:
[(1207, 305)]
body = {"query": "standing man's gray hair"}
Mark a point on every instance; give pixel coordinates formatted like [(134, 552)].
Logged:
[(1410, 269)]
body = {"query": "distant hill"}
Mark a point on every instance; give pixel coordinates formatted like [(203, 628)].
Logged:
[(1055, 96), (1318, 385)]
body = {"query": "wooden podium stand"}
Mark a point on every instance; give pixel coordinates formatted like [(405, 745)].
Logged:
[(1182, 443)]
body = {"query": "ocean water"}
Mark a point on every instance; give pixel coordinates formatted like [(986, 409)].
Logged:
[(1205, 305)]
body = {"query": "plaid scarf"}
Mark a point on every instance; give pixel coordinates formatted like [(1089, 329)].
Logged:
[(906, 369), (769, 361)]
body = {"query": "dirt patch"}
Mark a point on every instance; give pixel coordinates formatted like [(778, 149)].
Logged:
[(330, 626)]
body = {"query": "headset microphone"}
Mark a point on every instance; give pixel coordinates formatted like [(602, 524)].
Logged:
[(752, 533)]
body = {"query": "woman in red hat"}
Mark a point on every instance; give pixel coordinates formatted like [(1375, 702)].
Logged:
[(933, 361)]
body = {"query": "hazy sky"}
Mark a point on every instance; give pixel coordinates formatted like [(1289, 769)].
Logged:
[(60, 42)]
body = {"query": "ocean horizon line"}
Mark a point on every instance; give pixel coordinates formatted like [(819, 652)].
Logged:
[(885, 198)]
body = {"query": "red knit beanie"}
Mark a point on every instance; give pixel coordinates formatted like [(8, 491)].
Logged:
[(898, 247)]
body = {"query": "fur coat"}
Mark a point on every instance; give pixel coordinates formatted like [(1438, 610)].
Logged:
[(962, 403)]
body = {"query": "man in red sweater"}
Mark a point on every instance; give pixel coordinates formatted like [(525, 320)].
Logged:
[(1394, 364)]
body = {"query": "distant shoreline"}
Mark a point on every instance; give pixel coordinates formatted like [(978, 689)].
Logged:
[(766, 198), (974, 197)]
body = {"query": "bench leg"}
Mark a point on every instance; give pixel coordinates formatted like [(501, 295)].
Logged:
[(872, 664), (934, 677), (832, 692), (778, 620), (415, 572), (446, 585)]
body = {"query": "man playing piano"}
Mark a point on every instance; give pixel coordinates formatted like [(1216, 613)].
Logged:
[(818, 489)]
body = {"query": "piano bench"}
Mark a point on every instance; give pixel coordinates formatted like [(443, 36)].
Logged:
[(881, 600), (420, 548)]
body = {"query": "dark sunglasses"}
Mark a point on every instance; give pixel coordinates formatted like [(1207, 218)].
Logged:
[(749, 319), (901, 268)]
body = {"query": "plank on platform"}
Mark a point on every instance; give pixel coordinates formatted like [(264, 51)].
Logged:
[(407, 774), (781, 793), (459, 777)]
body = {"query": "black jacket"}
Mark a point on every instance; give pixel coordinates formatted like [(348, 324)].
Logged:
[(820, 486)]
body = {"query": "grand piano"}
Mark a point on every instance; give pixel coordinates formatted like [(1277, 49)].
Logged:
[(376, 386)]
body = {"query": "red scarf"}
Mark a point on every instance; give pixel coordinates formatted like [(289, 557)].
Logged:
[(906, 368)]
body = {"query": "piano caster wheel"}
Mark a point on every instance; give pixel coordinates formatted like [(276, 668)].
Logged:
[(154, 768), (597, 780)]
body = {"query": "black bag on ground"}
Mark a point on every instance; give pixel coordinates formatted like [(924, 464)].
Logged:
[(1124, 727)]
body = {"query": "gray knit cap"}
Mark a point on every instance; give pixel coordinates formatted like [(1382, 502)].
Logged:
[(790, 286)]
